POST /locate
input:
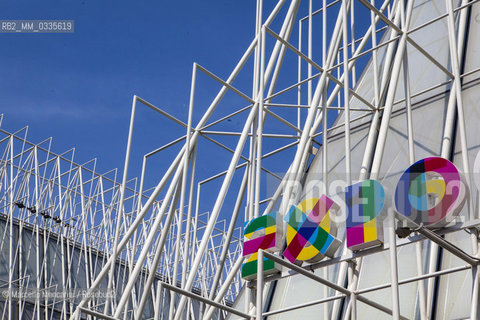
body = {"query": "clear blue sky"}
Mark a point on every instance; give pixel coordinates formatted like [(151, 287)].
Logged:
[(78, 87)]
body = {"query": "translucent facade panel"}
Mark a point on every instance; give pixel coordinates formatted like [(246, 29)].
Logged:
[(427, 138), (431, 105), (458, 284), (424, 74), (473, 44), (120, 278), (54, 271), (4, 252), (77, 270), (297, 290), (29, 251), (238, 304), (139, 287), (41, 266), (427, 142), (336, 157)]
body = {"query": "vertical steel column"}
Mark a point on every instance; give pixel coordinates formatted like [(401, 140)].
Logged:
[(352, 41), (259, 292), (346, 97), (158, 254), (120, 210), (310, 46), (302, 147), (325, 137), (397, 63), (299, 77), (447, 141), (223, 289), (228, 177), (393, 264), (37, 236), (348, 177), (10, 238), (260, 121), (216, 208), (455, 61), (386, 118), (231, 228), (411, 153), (133, 227)]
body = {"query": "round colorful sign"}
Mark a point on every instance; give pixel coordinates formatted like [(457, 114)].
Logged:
[(431, 191)]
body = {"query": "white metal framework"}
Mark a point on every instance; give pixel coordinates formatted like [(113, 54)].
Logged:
[(338, 90)]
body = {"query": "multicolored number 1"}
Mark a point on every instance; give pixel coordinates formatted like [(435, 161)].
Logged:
[(261, 233), (364, 202)]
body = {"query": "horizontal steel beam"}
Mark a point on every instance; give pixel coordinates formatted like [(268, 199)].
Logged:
[(326, 282), (429, 234), (205, 300)]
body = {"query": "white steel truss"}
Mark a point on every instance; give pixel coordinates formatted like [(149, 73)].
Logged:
[(58, 229)]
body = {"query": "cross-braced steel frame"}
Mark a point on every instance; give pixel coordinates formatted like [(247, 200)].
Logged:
[(178, 262), (58, 225)]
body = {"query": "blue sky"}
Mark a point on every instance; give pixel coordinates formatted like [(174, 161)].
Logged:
[(78, 87)]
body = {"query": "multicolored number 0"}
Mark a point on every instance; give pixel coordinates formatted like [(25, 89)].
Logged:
[(311, 231), (431, 192)]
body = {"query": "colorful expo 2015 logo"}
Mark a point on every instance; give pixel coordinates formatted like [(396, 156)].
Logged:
[(431, 192)]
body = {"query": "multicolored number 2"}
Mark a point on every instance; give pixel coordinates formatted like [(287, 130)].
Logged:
[(261, 233)]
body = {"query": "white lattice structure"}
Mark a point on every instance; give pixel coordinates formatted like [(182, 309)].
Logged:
[(48, 200), (337, 91)]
